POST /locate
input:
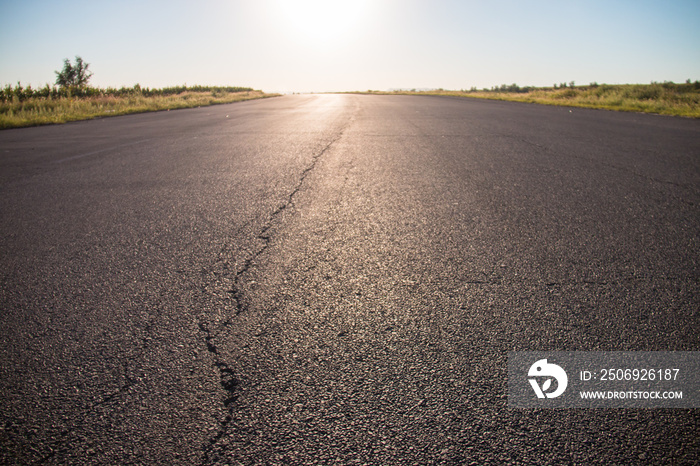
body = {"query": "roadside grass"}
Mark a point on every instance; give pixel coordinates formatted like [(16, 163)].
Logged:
[(20, 111), (662, 98)]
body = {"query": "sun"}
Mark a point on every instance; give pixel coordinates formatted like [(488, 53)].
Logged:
[(322, 23)]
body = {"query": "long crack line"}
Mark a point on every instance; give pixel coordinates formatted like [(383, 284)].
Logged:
[(264, 232), (226, 374)]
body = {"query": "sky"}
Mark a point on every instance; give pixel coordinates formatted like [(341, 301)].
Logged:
[(326, 46)]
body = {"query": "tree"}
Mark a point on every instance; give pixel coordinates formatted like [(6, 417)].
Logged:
[(74, 76)]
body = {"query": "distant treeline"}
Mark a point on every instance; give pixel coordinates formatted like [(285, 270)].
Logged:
[(20, 93)]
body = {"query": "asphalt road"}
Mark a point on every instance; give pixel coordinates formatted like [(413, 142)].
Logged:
[(339, 278)]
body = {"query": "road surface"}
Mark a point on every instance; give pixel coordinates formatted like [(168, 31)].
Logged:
[(339, 278)]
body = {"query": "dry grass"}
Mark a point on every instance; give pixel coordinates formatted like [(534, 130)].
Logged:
[(40, 111), (662, 98)]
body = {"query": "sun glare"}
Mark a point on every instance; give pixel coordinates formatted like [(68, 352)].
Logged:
[(322, 23)]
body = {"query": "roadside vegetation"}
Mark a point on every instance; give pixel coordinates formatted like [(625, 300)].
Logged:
[(665, 98), (72, 99), (29, 107)]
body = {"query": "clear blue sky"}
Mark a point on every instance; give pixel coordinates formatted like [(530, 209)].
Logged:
[(315, 45)]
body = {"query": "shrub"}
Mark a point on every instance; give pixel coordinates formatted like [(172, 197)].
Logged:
[(73, 76)]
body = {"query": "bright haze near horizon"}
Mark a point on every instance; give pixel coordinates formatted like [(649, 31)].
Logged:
[(326, 46)]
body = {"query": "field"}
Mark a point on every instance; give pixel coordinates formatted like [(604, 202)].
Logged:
[(663, 98), (21, 106)]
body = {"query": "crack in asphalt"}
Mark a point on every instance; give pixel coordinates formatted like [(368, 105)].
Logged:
[(627, 170), (59, 444), (228, 380)]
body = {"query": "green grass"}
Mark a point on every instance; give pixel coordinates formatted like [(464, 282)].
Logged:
[(661, 98), (19, 107)]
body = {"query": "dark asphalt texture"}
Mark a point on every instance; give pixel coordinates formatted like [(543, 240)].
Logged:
[(338, 279)]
